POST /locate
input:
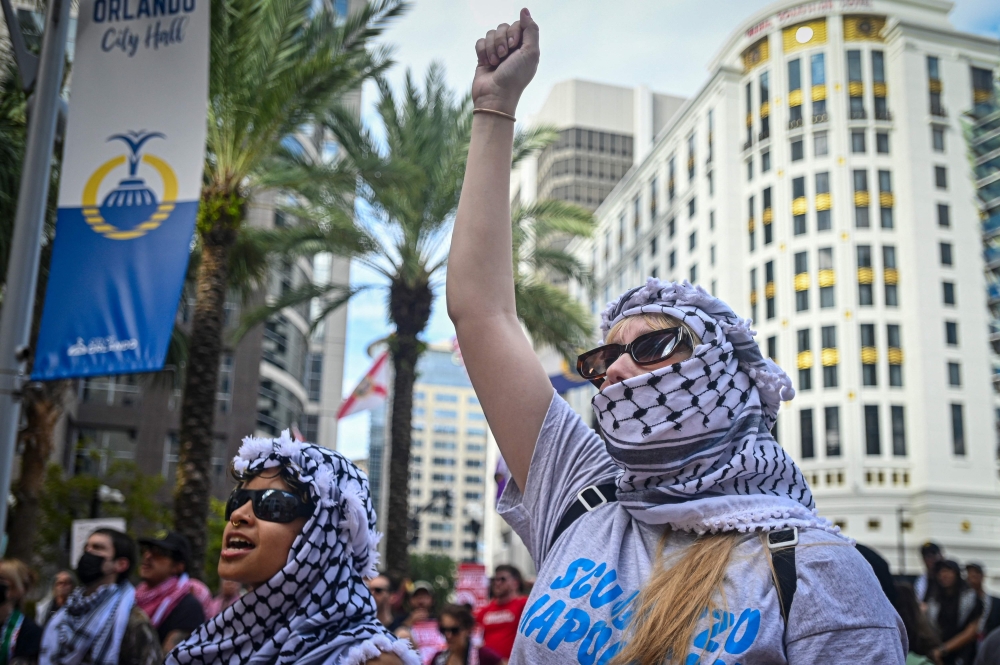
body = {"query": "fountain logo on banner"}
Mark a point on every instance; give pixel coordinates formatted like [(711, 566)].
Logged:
[(129, 189)]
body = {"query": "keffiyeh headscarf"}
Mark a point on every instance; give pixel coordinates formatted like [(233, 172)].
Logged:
[(693, 439), (317, 609), (91, 625)]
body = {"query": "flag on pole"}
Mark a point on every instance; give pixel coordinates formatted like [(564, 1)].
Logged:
[(371, 391)]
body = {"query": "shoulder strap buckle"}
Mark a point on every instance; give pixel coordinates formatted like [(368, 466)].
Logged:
[(779, 540), (601, 499)]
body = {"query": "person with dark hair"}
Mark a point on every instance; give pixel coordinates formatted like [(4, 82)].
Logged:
[(990, 619), (922, 637), (954, 609), (166, 593), (383, 590), (20, 636), (100, 624), (499, 619), (456, 623), (931, 553), (300, 537)]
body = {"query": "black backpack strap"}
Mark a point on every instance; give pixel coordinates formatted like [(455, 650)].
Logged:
[(782, 545), (587, 499)]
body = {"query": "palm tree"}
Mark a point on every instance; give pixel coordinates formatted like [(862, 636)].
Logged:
[(407, 208), (276, 65)]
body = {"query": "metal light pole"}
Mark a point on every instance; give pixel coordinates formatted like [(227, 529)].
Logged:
[(22, 271)]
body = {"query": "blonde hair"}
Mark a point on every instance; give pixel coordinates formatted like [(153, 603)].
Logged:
[(654, 321), (20, 576)]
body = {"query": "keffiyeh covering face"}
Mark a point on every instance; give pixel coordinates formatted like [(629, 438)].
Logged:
[(317, 608), (693, 439)]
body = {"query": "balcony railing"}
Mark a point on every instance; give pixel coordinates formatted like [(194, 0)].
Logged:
[(795, 124), (992, 224), (820, 118), (939, 110), (858, 114), (883, 115), (992, 256), (764, 135), (748, 144)]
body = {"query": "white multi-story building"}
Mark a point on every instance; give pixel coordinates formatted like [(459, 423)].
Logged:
[(819, 182)]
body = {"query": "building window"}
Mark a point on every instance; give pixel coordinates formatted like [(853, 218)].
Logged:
[(765, 161), (855, 86), (672, 227), (954, 375), (672, 259), (945, 251), (772, 348), (817, 65), (943, 215), (767, 217), (821, 144), (898, 431), (895, 355), (750, 169), (711, 255), (869, 355), (797, 151), (769, 289), (826, 277), (937, 138), (804, 360), (694, 273), (765, 96), (957, 430), (882, 143), (693, 241), (861, 199), (652, 199), (753, 294), (823, 218), (940, 177), (315, 377), (794, 86), (831, 425), (934, 85), (885, 198), (799, 205), (801, 281), (865, 276), (691, 207), (858, 141), (806, 433), (890, 276), (828, 356), (873, 443), (951, 333), (948, 292)]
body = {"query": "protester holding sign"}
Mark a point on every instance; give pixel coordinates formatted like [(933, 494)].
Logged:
[(300, 535), (661, 539)]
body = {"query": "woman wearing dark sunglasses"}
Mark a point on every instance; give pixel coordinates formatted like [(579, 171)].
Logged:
[(300, 536), (655, 544), (456, 623)]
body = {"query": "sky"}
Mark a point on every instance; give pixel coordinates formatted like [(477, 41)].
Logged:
[(666, 45)]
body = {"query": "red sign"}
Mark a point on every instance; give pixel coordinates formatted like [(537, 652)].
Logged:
[(473, 585)]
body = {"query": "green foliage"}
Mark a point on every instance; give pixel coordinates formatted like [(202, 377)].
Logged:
[(66, 499), (437, 569), (216, 525)]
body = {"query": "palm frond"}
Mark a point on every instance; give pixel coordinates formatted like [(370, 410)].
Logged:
[(528, 142), (552, 317)]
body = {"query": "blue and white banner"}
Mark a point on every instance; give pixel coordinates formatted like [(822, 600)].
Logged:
[(128, 195)]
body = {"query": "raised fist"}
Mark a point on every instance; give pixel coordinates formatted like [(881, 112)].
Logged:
[(508, 58)]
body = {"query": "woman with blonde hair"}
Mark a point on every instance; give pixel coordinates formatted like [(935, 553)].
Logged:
[(683, 533)]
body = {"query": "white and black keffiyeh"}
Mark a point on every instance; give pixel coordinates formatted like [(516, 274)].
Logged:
[(93, 625), (317, 609), (693, 439)]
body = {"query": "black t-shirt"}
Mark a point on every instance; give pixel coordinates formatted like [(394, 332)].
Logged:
[(187, 616), (29, 640)]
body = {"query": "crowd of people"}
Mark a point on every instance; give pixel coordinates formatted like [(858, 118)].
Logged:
[(679, 531)]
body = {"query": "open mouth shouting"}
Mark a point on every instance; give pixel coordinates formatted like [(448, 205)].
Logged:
[(237, 545)]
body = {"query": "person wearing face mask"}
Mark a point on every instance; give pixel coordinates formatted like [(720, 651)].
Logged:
[(680, 531), (20, 636), (100, 624), (300, 537)]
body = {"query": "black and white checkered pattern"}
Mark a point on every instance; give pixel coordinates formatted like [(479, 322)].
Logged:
[(693, 439), (317, 609)]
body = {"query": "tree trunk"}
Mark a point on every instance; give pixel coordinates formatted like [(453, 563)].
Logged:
[(409, 309), (42, 406), (219, 218)]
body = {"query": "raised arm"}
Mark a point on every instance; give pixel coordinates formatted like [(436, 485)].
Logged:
[(509, 379)]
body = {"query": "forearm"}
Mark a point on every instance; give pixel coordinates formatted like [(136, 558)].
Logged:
[(480, 265), (967, 636)]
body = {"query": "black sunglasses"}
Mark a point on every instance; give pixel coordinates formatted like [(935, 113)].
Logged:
[(449, 630), (647, 349), (270, 505)]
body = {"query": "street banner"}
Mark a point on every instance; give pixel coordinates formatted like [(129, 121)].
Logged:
[(371, 391), (473, 585), (129, 188)]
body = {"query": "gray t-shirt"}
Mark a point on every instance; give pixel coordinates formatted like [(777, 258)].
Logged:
[(588, 581)]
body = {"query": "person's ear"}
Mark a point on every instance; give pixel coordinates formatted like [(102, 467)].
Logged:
[(121, 564)]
